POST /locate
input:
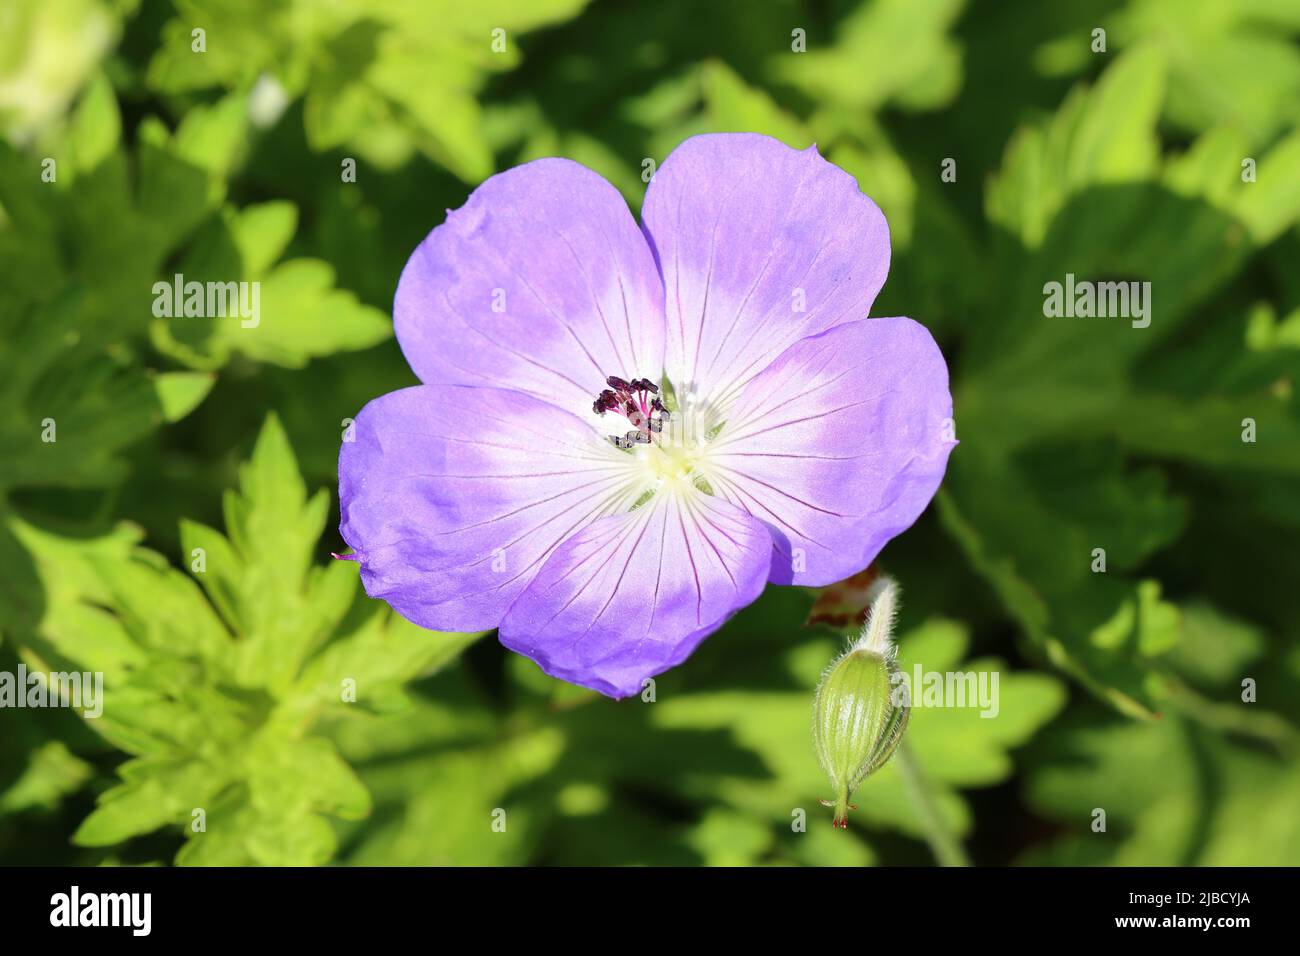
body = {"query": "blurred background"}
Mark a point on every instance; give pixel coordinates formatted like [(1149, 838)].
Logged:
[(176, 535)]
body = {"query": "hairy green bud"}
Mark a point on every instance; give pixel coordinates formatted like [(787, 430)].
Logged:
[(861, 707)]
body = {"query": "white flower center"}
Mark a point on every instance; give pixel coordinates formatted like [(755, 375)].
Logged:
[(669, 450)]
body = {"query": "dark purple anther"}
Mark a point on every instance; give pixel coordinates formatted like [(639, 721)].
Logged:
[(632, 401)]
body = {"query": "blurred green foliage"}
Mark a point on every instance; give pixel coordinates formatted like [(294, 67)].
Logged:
[(228, 679)]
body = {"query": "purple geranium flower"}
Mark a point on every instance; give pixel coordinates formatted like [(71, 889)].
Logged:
[(766, 430)]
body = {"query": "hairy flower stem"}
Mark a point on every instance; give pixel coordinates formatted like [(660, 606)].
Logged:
[(947, 849)]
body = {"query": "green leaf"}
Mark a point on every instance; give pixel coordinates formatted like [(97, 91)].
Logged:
[(1051, 409), (286, 314), (179, 393), (1148, 780), (1230, 63), (885, 51), (155, 792), (1102, 135), (49, 51), (52, 773), (95, 128), (383, 653), (261, 233), (381, 81), (216, 700), (284, 608)]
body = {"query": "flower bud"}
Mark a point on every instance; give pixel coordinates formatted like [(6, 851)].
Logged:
[(861, 708)]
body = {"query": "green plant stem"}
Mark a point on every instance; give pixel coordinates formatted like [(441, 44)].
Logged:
[(947, 849), (1233, 718)]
